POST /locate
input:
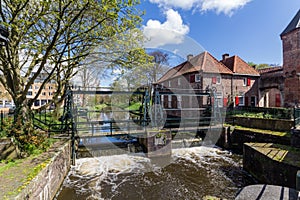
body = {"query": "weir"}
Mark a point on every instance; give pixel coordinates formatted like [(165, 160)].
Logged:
[(146, 120)]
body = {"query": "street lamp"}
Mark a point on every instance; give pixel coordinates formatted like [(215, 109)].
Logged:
[(3, 36)]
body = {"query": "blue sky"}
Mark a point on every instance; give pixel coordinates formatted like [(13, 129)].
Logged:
[(247, 28)]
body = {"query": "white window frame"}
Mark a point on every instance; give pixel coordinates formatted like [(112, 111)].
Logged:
[(169, 101), (218, 81), (241, 103), (179, 99), (245, 81), (197, 77)]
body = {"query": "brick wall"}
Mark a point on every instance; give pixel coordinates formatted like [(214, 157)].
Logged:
[(291, 66)]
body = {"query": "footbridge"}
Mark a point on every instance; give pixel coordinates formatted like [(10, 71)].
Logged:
[(143, 120)]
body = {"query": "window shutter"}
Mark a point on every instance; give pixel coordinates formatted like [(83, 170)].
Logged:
[(248, 81), (214, 80), (225, 101), (192, 78), (236, 100)]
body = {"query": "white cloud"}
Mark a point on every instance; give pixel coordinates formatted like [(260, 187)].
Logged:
[(172, 31), (225, 6), (184, 4)]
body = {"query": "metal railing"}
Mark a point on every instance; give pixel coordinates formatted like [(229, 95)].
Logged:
[(296, 117)]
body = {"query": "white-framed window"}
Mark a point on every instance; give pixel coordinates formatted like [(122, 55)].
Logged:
[(218, 80), (219, 99), (245, 82), (179, 99), (169, 84), (197, 78), (169, 101), (179, 81), (241, 100)]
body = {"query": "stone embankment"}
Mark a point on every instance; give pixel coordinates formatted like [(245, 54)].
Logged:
[(55, 164)]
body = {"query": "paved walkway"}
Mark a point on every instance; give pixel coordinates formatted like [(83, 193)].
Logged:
[(267, 192)]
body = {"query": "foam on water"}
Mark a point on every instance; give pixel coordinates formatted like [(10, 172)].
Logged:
[(91, 174)]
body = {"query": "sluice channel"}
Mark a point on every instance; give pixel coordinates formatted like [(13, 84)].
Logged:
[(123, 171), (192, 173)]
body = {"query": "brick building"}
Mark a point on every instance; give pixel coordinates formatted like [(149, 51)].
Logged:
[(291, 61), (232, 79), (45, 96), (271, 87)]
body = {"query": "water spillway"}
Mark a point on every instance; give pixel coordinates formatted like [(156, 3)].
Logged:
[(192, 173)]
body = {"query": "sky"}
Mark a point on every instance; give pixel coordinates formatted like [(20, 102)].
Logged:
[(248, 28)]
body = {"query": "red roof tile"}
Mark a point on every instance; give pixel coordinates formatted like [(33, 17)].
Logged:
[(270, 70), (203, 62), (239, 66)]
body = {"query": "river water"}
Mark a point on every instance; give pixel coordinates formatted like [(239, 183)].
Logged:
[(191, 174)]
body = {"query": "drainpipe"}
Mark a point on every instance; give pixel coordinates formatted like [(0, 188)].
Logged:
[(231, 88)]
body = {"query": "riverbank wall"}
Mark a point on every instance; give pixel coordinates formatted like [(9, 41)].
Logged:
[(48, 181), (272, 163), (233, 138), (263, 123)]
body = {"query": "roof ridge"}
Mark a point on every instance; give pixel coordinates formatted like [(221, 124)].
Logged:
[(293, 25), (220, 63)]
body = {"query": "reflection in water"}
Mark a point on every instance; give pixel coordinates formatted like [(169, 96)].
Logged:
[(192, 174)]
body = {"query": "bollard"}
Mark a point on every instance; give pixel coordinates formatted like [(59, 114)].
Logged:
[(298, 180)]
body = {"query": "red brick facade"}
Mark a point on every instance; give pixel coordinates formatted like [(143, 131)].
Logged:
[(291, 61), (291, 66), (232, 79)]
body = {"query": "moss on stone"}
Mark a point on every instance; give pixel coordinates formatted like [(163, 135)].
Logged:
[(277, 152), (261, 131)]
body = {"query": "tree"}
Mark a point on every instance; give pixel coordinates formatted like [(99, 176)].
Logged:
[(145, 74), (160, 67), (54, 38), (262, 65)]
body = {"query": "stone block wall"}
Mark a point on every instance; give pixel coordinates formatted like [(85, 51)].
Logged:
[(266, 124), (46, 184), (267, 170)]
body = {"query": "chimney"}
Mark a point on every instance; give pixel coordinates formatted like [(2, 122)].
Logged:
[(225, 56), (189, 57)]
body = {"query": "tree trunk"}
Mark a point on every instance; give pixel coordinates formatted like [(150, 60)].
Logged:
[(22, 129)]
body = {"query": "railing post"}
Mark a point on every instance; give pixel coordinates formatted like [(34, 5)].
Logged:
[(298, 180), (2, 120), (294, 117), (111, 127)]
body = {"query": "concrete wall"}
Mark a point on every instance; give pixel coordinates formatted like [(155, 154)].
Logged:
[(46, 184), (267, 124), (267, 170)]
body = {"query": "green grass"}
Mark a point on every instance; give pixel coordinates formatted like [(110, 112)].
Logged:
[(134, 106), (5, 165), (101, 106)]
